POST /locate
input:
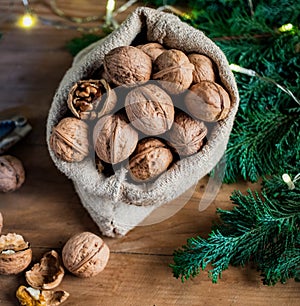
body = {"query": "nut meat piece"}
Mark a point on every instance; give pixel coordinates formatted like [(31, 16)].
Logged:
[(69, 140), (85, 254), (208, 101), (175, 71), (186, 134), (47, 274), (151, 158), (29, 296), (114, 138), (150, 109), (90, 99), (204, 69), (12, 173), (127, 65), (15, 254), (152, 49)]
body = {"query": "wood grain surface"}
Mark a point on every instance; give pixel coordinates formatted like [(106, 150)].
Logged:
[(47, 211)]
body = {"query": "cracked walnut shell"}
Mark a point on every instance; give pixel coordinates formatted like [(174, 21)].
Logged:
[(85, 254), (90, 99), (29, 296), (187, 134), (150, 109), (203, 68), (127, 65), (114, 138), (15, 254), (150, 159), (208, 101), (69, 140), (175, 71), (47, 274), (12, 173)]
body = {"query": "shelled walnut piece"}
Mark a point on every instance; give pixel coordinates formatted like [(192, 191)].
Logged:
[(69, 139), (12, 173), (15, 254), (85, 254), (150, 159), (47, 274), (150, 109), (90, 99), (29, 296)]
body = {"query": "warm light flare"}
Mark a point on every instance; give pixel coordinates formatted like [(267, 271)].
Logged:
[(27, 21)]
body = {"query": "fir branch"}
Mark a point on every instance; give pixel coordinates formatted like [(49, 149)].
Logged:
[(259, 229)]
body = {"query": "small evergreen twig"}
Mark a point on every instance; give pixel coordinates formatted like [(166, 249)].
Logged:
[(263, 229)]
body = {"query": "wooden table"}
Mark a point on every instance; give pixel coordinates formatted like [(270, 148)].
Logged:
[(47, 211)]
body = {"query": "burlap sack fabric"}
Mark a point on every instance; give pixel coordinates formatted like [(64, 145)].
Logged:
[(116, 204)]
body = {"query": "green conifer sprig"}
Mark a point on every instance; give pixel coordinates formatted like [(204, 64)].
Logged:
[(261, 228)]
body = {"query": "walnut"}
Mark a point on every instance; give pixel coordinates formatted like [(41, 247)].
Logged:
[(208, 101), (69, 140), (15, 254), (29, 296), (47, 274), (150, 109), (12, 173), (204, 69), (150, 159), (90, 99), (186, 134), (85, 254), (114, 138), (127, 65), (152, 49), (175, 71)]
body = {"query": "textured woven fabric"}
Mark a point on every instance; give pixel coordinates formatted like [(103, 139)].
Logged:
[(116, 204)]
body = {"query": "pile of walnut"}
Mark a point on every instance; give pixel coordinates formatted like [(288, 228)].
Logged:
[(141, 125), (84, 255)]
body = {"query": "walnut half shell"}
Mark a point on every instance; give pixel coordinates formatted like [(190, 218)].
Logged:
[(15, 254), (47, 274), (90, 99)]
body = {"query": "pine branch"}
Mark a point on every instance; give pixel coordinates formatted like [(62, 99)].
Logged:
[(259, 229)]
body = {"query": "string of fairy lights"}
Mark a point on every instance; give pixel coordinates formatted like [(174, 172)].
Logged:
[(30, 18)]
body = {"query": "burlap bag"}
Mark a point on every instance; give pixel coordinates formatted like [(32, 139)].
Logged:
[(116, 204)]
